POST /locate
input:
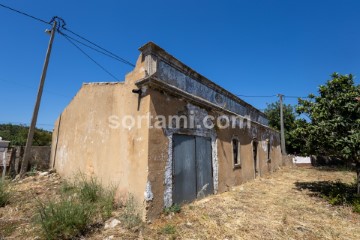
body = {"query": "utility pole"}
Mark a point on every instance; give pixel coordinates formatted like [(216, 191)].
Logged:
[(25, 161), (283, 148)]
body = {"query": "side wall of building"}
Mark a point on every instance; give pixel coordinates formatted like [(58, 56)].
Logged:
[(91, 136), (160, 149)]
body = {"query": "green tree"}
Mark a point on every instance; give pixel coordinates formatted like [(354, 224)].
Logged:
[(293, 141), (17, 135), (334, 114)]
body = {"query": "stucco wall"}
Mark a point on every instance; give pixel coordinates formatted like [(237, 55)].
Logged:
[(228, 176), (83, 140)]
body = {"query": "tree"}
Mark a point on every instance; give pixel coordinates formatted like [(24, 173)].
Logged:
[(334, 114), (17, 135), (294, 143)]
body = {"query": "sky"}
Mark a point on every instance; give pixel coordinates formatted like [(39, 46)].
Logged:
[(249, 47)]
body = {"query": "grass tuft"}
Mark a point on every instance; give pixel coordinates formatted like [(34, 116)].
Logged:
[(176, 208), (64, 219), (83, 202), (168, 229), (5, 193), (130, 216)]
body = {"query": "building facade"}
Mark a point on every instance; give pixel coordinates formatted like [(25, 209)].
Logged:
[(165, 135)]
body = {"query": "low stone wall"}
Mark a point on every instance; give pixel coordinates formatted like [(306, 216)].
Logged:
[(39, 159)]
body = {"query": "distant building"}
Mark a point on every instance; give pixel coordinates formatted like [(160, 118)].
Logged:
[(4, 158), (102, 133)]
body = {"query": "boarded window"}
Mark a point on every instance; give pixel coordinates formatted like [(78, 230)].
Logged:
[(236, 152)]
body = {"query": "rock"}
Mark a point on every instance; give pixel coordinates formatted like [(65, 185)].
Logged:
[(111, 224), (109, 237), (42, 174)]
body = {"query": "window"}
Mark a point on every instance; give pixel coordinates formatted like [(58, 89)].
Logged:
[(236, 152), (268, 150)]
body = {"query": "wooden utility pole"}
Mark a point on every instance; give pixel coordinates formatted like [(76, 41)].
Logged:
[(25, 161), (283, 148)]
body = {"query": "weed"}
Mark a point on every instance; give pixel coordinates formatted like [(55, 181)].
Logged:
[(168, 229), (67, 187), (32, 171), (64, 219), (131, 214), (176, 208), (83, 202), (5, 193)]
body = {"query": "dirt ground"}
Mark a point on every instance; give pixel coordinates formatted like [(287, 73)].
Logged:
[(268, 208)]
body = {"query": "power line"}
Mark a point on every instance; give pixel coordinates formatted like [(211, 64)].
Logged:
[(25, 124), (86, 45), (270, 96), (34, 88), (87, 55), (25, 14), (62, 24), (113, 54)]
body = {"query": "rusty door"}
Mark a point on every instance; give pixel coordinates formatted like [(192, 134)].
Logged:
[(192, 168)]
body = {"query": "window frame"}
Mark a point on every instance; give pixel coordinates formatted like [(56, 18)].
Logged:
[(236, 164)]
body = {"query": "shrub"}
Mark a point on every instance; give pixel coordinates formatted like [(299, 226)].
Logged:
[(64, 219), (83, 202), (176, 208), (168, 229), (89, 190), (131, 214), (5, 193)]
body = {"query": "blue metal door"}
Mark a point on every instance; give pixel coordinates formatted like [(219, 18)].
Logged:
[(192, 168), (204, 178)]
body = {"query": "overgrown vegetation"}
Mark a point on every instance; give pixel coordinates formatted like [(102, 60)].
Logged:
[(130, 216), (84, 202), (333, 125), (168, 229), (335, 192), (176, 208), (17, 135), (65, 219), (5, 193)]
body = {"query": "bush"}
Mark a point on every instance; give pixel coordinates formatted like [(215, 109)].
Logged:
[(130, 216), (91, 191), (176, 208), (168, 229), (83, 203), (5, 193), (64, 219)]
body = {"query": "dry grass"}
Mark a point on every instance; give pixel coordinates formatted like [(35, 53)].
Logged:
[(268, 208)]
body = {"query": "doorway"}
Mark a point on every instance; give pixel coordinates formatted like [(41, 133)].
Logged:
[(192, 168), (255, 158)]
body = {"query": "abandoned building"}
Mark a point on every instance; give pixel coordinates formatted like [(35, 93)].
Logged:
[(159, 164)]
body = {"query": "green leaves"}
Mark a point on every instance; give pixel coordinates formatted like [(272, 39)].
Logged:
[(334, 129)]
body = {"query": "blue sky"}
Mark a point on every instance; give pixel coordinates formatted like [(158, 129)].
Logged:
[(248, 47)]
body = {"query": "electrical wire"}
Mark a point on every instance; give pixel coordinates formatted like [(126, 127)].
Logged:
[(87, 55), (22, 85), (25, 14), (113, 54), (270, 96), (25, 124), (62, 24), (86, 45)]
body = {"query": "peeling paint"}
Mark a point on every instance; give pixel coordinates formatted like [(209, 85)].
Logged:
[(202, 132), (174, 77), (168, 174), (148, 193)]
